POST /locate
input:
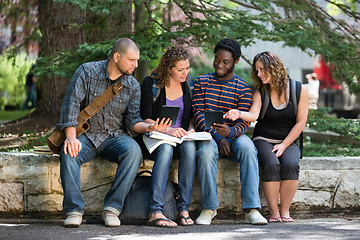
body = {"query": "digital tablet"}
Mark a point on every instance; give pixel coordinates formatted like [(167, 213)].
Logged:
[(169, 112), (212, 117)]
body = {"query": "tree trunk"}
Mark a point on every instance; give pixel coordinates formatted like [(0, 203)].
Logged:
[(140, 23), (109, 26), (57, 35)]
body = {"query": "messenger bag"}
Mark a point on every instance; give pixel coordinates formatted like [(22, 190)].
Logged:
[(57, 138)]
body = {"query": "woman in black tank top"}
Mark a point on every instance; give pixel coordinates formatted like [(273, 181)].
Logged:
[(276, 132)]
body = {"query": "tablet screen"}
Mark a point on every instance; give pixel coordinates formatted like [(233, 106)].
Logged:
[(212, 117), (169, 112)]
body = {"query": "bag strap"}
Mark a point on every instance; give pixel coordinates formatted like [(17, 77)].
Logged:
[(293, 95), (98, 103), (155, 90), (265, 99)]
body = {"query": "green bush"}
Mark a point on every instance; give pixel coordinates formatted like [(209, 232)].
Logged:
[(321, 121), (12, 79)]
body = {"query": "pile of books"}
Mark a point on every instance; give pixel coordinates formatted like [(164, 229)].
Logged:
[(42, 150)]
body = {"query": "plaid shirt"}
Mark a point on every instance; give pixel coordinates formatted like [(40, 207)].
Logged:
[(117, 117)]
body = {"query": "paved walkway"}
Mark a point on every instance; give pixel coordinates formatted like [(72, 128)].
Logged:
[(317, 228)]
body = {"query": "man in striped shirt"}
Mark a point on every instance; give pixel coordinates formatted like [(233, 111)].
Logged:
[(223, 90)]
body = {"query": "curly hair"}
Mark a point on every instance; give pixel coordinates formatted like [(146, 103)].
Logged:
[(274, 67), (172, 55), (229, 45)]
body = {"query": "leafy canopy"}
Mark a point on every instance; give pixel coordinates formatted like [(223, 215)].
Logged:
[(302, 23)]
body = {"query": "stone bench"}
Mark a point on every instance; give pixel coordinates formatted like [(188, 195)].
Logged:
[(30, 184)]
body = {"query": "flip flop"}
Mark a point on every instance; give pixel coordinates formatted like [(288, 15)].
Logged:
[(185, 219), (155, 223), (274, 219), (287, 219)]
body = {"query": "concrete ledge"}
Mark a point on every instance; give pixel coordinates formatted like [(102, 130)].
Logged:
[(30, 184)]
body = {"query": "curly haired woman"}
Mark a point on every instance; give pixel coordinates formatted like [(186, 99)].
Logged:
[(276, 133), (171, 76)]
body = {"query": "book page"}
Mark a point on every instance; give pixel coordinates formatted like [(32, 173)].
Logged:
[(197, 136), (152, 143)]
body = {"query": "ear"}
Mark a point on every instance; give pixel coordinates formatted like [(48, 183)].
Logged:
[(116, 57), (236, 61)]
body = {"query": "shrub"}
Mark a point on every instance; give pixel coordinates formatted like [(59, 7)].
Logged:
[(12, 79)]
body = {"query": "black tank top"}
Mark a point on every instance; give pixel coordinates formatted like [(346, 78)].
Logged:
[(276, 124)]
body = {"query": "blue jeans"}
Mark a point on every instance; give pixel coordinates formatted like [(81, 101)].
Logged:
[(245, 153), (122, 150), (163, 156)]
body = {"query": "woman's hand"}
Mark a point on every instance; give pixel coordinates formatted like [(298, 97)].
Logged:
[(279, 149), (232, 114), (191, 130), (177, 132)]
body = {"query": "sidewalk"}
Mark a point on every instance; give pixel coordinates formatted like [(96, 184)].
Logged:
[(314, 228)]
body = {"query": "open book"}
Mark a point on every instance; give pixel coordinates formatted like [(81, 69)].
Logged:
[(155, 139)]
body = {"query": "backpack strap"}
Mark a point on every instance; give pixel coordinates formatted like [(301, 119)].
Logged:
[(190, 84), (295, 91), (265, 99), (155, 90), (293, 95)]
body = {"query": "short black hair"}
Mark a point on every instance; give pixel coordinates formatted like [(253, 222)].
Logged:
[(229, 45)]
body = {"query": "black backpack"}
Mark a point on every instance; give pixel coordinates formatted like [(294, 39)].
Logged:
[(295, 91)]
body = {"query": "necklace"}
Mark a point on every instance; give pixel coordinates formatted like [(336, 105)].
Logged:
[(172, 91)]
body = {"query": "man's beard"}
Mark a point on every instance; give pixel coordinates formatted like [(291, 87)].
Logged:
[(127, 73), (228, 72)]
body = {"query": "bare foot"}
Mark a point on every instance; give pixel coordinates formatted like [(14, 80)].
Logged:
[(161, 223), (185, 220)]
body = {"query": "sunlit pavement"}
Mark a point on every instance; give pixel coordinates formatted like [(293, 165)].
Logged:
[(318, 228)]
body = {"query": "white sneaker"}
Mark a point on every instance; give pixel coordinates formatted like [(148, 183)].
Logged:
[(73, 221), (110, 219), (205, 217), (255, 218)]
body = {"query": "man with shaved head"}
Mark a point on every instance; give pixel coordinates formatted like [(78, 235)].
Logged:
[(108, 134)]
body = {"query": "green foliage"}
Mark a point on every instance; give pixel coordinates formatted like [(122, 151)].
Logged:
[(27, 142), (329, 148), (12, 79), (320, 121), (302, 24)]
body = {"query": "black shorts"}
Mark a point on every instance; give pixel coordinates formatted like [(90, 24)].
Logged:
[(274, 169)]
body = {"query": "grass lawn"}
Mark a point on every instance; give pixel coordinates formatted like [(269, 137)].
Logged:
[(10, 115)]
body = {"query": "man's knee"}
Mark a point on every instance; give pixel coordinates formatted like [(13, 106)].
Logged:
[(243, 146), (207, 153)]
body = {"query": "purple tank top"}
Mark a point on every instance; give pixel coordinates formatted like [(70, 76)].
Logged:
[(177, 102)]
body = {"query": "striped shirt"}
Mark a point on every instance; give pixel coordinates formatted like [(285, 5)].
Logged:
[(221, 95)]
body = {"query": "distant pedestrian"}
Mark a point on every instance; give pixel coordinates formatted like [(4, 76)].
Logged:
[(30, 89), (313, 90)]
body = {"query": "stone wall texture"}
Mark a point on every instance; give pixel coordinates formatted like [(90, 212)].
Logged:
[(30, 184)]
